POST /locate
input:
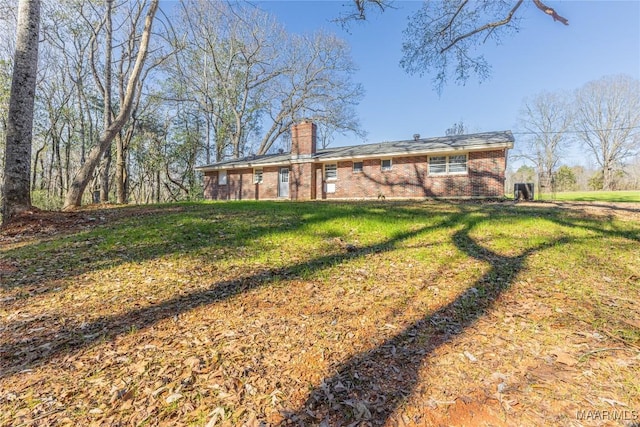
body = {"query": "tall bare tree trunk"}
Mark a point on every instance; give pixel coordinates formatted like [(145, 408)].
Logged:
[(106, 95), (121, 170), (17, 163), (82, 178), (104, 176)]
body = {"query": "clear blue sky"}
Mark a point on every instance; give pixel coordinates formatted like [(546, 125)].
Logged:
[(603, 37)]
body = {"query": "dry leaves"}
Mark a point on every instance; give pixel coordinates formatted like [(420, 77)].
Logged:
[(353, 331)]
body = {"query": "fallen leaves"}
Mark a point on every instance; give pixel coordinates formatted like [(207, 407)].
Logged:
[(281, 325), (563, 357)]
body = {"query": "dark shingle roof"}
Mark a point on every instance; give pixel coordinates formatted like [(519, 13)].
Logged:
[(443, 144)]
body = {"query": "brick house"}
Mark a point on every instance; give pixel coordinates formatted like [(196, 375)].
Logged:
[(460, 166)]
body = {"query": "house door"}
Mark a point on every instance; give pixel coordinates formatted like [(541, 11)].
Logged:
[(283, 183)]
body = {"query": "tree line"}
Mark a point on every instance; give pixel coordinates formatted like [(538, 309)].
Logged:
[(130, 98), (601, 120)]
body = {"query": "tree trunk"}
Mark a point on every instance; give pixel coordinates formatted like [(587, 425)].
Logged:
[(17, 163), (106, 96), (607, 177), (82, 178), (121, 189), (34, 179), (158, 186), (104, 177)]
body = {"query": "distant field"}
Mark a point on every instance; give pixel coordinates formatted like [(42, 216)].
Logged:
[(595, 196)]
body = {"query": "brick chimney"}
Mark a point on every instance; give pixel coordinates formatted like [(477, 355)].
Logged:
[(303, 139)]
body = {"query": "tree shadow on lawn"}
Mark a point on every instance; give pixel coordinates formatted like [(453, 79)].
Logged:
[(184, 230), (49, 343), (615, 206), (371, 386)]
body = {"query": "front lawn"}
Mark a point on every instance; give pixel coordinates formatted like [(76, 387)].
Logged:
[(595, 196), (333, 314)]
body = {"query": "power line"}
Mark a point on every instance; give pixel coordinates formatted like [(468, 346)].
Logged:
[(575, 131)]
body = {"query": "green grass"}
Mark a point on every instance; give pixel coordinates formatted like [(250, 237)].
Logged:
[(280, 295), (594, 196)]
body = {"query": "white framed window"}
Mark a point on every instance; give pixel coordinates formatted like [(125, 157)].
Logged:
[(458, 164), (437, 165), (441, 165), (386, 164), (331, 171), (257, 176), (222, 178), (358, 167)]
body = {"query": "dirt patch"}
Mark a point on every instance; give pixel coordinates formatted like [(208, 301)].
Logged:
[(38, 224), (623, 211)]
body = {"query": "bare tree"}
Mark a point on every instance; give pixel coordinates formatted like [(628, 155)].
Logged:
[(17, 165), (84, 175), (607, 122), (317, 86), (442, 36), (457, 128), (250, 79), (360, 10), (229, 53), (545, 120)]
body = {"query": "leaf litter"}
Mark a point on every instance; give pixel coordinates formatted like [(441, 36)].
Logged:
[(347, 332)]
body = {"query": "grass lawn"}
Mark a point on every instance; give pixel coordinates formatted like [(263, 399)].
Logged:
[(331, 314), (595, 196)]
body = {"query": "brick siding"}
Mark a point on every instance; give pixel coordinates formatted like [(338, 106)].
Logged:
[(408, 178)]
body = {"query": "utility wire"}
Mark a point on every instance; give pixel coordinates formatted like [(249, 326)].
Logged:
[(575, 131)]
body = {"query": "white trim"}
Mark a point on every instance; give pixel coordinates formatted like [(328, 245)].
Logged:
[(386, 169), (226, 178), (261, 175), (450, 151), (324, 171), (446, 165)]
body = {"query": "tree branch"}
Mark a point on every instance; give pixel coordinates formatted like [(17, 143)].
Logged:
[(485, 27), (550, 11)]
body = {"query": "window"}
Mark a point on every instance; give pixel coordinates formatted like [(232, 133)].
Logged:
[(257, 176), (331, 171), (386, 164), (357, 167), (437, 165), (458, 164), (222, 178), (440, 165)]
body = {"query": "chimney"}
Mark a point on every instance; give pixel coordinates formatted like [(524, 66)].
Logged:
[(303, 139)]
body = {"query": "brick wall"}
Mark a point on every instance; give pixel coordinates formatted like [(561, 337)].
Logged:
[(407, 178), (240, 185), (302, 181), (303, 139), (210, 180), (268, 190)]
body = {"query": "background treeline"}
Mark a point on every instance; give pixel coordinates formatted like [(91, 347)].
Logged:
[(597, 124), (221, 80), (224, 80)]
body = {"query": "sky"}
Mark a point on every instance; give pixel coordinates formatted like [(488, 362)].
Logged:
[(603, 38)]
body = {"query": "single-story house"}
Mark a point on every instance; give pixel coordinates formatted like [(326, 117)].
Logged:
[(457, 166)]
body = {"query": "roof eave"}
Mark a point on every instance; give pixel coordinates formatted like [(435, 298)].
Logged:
[(464, 149), (319, 158), (239, 166)]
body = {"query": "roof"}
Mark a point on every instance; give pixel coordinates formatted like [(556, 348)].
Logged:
[(413, 147)]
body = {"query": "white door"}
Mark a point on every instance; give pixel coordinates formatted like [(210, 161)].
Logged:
[(283, 182)]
